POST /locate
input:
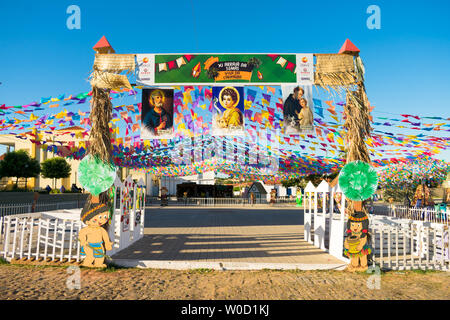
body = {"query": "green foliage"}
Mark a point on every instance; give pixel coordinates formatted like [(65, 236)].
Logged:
[(16, 189), (302, 182), (111, 267), (399, 180), (292, 182), (18, 164), (254, 62), (201, 270), (427, 271), (223, 181), (212, 73), (55, 168), (399, 194)]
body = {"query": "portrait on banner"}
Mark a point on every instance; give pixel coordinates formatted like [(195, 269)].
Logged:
[(297, 109), (228, 111), (157, 114)]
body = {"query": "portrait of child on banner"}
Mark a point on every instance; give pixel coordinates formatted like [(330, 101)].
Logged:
[(228, 111), (297, 109), (157, 114)]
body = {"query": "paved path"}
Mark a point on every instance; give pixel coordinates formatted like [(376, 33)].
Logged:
[(269, 236)]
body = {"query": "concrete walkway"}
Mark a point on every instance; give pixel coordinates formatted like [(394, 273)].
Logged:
[(231, 238)]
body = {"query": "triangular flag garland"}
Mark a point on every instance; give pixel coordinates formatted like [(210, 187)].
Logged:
[(173, 64), (192, 121)]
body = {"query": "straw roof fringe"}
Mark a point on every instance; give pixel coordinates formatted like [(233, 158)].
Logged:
[(334, 70), (115, 63), (106, 80)]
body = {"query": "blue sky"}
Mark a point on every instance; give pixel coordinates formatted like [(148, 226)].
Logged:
[(407, 60)]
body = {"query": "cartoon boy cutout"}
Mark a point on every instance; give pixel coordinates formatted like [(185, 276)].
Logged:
[(93, 238)]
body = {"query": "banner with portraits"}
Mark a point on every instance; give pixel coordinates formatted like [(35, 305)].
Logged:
[(228, 111), (157, 114), (297, 109), (231, 69)]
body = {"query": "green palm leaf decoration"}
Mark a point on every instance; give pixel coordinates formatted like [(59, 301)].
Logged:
[(95, 175), (358, 180)]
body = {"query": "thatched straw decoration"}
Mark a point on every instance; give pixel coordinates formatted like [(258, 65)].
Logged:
[(357, 125), (360, 69), (106, 80), (100, 136), (334, 70), (114, 63), (340, 74)]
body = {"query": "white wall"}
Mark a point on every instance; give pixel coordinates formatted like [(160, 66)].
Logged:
[(281, 191)]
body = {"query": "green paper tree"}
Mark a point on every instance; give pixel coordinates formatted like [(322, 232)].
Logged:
[(95, 175), (358, 180)]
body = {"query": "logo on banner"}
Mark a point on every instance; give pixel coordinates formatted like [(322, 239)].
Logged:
[(305, 68), (144, 68)]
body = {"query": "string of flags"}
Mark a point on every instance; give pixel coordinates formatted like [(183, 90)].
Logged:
[(295, 155)]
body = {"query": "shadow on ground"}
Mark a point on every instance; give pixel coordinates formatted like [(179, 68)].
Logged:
[(203, 217)]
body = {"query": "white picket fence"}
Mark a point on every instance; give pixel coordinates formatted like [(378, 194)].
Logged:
[(7, 209), (427, 214), (397, 243), (53, 235), (403, 244), (229, 202)]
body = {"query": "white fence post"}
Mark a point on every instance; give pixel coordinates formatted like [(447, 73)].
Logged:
[(320, 217), (309, 189), (337, 226)]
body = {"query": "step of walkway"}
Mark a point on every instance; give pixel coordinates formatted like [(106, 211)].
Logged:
[(225, 239)]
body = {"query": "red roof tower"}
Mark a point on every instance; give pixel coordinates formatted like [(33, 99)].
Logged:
[(349, 48), (103, 46)]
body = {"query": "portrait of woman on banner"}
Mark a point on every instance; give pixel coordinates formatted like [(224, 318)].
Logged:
[(157, 114), (305, 115)]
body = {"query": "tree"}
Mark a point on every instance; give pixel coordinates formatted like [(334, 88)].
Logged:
[(32, 170), (255, 63), (401, 180), (55, 168), (18, 164), (314, 178), (212, 73)]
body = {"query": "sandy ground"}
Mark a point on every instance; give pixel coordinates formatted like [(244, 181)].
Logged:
[(44, 282)]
